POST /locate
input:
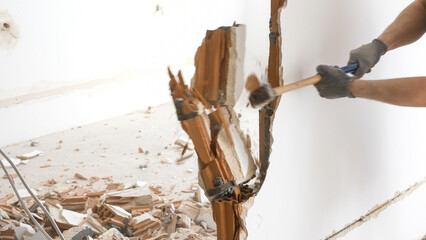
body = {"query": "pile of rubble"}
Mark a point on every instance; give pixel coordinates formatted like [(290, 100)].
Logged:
[(118, 212)]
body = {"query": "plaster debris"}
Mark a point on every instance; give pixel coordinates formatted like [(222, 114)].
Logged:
[(190, 209), (183, 221), (147, 220), (206, 216), (15, 161), (30, 155), (112, 234), (143, 166), (128, 185), (73, 201), (166, 161), (93, 224), (72, 217), (150, 109), (24, 193), (140, 184), (24, 231)]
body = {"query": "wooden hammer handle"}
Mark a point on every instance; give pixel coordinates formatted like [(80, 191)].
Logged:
[(299, 84), (311, 80)]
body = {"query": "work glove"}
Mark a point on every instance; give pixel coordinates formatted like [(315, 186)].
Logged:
[(334, 82), (367, 56)]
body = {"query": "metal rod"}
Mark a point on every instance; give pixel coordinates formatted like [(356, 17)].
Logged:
[(58, 231), (40, 228)]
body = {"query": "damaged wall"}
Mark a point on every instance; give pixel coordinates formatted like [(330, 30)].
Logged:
[(332, 161)]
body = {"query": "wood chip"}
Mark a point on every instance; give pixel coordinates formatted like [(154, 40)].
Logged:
[(13, 175), (109, 178), (114, 186), (45, 166), (140, 150), (183, 158), (79, 176), (197, 196), (252, 83), (94, 179), (52, 181), (180, 142)]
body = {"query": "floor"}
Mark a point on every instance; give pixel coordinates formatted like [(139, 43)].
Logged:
[(130, 148)]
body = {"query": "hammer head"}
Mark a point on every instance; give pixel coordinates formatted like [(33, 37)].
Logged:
[(262, 95)]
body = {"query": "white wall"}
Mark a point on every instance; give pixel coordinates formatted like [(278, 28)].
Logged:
[(333, 160), (114, 52)]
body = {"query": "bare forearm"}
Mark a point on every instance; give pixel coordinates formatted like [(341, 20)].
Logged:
[(399, 91), (409, 26)]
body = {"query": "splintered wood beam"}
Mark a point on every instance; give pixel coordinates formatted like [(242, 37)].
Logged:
[(211, 64), (206, 113), (274, 61), (266, 114)]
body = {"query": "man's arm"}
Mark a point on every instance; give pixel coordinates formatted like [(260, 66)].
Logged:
[(409, 26), (400, 91)]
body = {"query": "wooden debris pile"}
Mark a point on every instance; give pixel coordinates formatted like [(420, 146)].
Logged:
[(140, 212)]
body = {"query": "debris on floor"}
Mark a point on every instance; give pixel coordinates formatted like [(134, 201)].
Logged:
[(30, 155), (103, 187), (140, 212)]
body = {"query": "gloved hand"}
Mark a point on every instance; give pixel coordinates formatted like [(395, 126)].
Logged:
[(334, 82), (367, 56)]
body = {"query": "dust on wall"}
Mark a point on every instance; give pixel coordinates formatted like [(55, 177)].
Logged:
[(9, 32)]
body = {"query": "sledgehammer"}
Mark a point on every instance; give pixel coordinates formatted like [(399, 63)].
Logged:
[(265, 93)]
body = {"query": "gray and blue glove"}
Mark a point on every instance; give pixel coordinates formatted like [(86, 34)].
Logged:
[(335, 83), (367, 56)]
